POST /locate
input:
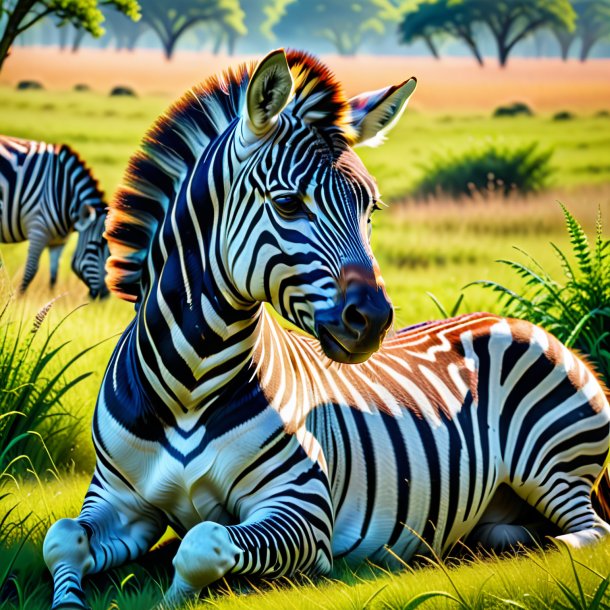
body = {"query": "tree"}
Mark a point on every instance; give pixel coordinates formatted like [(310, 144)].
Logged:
[(511, 21), (124, 31), (261, 16), (344, 24), (432, 18), (592, 24), (17, 16), (170, 20)]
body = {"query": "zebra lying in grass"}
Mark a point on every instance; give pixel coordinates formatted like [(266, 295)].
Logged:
[(271, 451), (46, 191)]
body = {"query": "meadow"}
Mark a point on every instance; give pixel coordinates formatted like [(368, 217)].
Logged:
[(438, 247)]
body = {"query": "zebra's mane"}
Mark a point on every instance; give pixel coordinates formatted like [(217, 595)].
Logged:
[(172, 146), (64, 152)]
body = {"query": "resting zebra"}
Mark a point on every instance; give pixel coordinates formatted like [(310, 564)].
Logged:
[(46, 191), (270, 451)]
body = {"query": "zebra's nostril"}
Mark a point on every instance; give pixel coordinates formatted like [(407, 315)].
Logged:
[(354, 319)]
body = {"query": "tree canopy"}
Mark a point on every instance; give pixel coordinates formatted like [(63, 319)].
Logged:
[(17, 16), (344, 24), (170, 20), (432, 18), (592, 25)]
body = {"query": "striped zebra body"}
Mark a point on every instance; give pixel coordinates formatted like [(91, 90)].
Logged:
[(46, 192), (270, 451)]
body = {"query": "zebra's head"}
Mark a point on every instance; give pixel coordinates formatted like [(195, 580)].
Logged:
[(301, 238), (89, 259)]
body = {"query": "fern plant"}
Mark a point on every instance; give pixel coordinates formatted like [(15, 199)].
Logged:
[(575, 308)]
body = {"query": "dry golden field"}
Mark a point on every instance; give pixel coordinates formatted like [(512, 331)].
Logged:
[(453, 84)]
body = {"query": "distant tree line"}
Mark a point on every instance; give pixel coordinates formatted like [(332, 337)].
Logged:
[(508, 22), (343, 25)]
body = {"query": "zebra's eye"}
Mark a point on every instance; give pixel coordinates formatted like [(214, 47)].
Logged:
[(290, 206)]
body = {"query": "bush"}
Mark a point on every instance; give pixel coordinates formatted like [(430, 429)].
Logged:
[(122, 91), (24, 85), (514, 109), (36, 433), (564, 115), (82, 87), (575, 308), (486, 170)]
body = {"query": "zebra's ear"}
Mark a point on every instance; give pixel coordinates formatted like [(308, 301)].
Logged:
[(376, 112), (86, 215), (269, 91)]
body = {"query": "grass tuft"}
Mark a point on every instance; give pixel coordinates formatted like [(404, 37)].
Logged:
[(36, 433), (487, 170)]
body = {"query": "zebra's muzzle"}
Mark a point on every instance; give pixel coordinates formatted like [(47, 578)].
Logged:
[(354, 329)]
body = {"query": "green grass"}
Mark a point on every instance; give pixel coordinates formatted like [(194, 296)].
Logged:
[(436, 247)]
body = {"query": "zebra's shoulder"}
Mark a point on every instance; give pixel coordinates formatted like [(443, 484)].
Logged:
[(170, 149)]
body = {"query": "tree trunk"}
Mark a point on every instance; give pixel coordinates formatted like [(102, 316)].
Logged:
[(12, 27), (78, 39), (169, 46), (218, 43), (472, 45), (63, 37), (132, 40), (431, 47), (585, 49), (503, 56)]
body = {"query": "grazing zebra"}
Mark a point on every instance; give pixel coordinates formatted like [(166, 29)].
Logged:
[(46, 191), (271, 451)]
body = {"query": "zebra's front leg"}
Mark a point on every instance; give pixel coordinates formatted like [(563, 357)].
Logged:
[(115, 526), (54, 255), (271, 543)]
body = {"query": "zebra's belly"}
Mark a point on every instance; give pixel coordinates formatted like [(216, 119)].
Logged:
[(399, 480)]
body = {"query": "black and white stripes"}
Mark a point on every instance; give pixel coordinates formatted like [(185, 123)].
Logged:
[(272, 451)]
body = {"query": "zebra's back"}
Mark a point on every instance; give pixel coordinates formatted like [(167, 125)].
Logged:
[(25, 169)]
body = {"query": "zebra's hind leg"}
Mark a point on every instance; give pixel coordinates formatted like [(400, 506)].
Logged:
[(274, 544), (115, 526), (54, 255), (566, 502)]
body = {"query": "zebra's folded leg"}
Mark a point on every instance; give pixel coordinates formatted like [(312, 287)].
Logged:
[(54, 255), (37, 243), (108, 533), (276, 545), (566, 502), (590, 535)]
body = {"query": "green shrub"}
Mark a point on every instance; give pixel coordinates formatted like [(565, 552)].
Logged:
[(122, 91), (486, 170), (564, 115), (36, 433), (514, 109), (29, 85), (575, 308)]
